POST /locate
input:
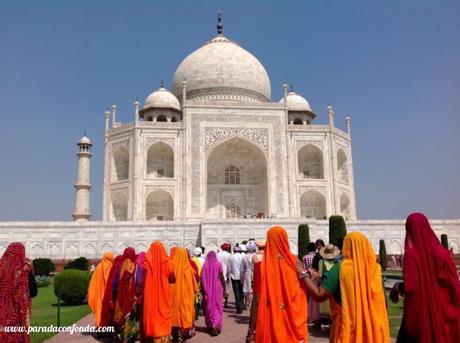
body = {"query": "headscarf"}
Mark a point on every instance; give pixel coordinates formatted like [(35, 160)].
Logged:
[(126, 287), (364, 314), (282, 313), (431, 286), (97, 285), (213, 291), (183, 310), (15, 303), (157, 312)]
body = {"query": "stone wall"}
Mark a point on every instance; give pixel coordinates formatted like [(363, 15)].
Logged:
[(68, 240)]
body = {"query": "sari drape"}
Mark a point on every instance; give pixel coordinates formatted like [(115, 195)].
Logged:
[(184, 289), (213, 291), (157, 312), (282, 312), (108, 302), (98, 284), (15, 303), (364, 315), (126, 288), (431, 286)]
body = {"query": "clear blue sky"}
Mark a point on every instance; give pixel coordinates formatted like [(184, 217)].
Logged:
[(394, 66)]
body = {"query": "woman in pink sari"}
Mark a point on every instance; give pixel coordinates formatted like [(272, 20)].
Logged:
[(212, 283)]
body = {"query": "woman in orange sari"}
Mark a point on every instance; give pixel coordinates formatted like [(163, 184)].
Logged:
[(356, 285), (97, 286), (184, 289), (158, 294), (282, 312)]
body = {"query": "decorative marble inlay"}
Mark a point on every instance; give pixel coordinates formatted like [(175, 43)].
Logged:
[(214, 136)]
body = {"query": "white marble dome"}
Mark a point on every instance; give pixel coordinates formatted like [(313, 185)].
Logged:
[(162, 98), (296, 102), (85, 140), (222, 70)]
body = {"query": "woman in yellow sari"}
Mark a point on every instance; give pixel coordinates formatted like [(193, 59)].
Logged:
[(356, 285), (97, 286), (183, 309)]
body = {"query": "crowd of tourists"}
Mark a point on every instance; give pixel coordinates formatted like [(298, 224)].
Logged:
[(156, 297)]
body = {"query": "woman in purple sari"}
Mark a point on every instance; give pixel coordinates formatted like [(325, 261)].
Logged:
[(212, 283)]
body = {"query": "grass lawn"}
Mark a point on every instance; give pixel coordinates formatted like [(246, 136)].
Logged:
[(44, 312), (394, 316)]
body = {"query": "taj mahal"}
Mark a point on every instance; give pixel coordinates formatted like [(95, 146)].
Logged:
[(215, 158), (217, 146)]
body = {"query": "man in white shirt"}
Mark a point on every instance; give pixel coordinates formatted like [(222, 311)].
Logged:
[(224, 257), (236, 267)]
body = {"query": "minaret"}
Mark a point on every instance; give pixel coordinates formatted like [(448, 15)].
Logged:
[(331, 114), (83, 185), (348, 124)]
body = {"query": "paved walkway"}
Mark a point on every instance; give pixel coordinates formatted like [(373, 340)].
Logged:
[(234, 331)]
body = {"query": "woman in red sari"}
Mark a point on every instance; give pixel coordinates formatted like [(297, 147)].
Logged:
[(125, 288), (15, 293), (431, 288), (108, 302)]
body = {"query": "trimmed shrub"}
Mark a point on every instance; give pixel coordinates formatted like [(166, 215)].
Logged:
[(43, 280), (71, 286), (337, 230), (303, 238), (445, 241), (43, 266), (80, 263), (382, 255)]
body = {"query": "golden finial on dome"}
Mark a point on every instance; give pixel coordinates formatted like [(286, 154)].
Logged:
[(220, 27)]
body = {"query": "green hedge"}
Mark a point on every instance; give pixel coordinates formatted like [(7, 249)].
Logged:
[(43, 266), (337, 230), (303, 238), (72, 286), (444, 241), (382, 255), (80, 263)]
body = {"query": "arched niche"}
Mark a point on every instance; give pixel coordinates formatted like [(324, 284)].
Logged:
[(345, 206), (161, 118), (342, 165), (159, 206), (121, 164), (120, 206), (160, 161), (313, 205), (298, 121), (310, 162), (236, 172)]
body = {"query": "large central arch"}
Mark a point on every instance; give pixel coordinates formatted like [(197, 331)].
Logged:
[(236, 180)]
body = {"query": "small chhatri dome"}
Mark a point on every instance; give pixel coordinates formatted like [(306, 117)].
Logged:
[(85, 140), (295, 102), (222, 70), (162, 98)]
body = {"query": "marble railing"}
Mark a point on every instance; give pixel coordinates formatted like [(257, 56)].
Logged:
[(68, 240)]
